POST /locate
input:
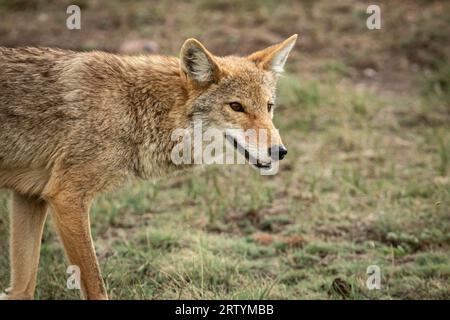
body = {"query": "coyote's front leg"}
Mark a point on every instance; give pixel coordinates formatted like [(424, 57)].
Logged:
[(71, 217), (27, 221)]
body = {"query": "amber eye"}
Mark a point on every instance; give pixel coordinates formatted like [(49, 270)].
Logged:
[(236, 106), (269, 107)]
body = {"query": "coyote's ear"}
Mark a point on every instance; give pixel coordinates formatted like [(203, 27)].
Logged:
[(274, 57), (198, 63)]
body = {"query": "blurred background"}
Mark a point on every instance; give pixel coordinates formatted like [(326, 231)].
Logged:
[(364, 113)]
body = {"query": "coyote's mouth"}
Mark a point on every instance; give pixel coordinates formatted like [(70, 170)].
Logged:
[(242, 150)]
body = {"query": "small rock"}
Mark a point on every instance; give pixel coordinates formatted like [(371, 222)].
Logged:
[(42, 17), (369, 72), (341, 287), (139, 46)]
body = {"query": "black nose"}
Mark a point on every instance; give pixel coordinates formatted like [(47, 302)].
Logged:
[(277, 152)]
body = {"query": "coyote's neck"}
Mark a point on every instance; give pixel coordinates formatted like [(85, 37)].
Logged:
[(159, 104)]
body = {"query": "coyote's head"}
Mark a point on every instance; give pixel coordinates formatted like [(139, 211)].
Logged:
[(236, 95)]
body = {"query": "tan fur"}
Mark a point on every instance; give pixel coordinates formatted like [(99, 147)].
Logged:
[(76, 124)]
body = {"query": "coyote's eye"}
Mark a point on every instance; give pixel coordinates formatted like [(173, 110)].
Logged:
[(236, 106), (269, 107)]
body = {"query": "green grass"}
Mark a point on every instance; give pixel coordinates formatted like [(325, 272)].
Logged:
[(366, 181)]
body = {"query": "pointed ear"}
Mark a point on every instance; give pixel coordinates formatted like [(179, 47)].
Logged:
[(273, 58), (198, 63)]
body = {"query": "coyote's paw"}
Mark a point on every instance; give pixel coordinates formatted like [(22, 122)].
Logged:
[(8, 295)]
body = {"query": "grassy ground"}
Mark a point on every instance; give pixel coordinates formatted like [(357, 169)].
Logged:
[(365, 116)]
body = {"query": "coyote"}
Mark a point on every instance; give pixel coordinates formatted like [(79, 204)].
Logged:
[(74, 124)]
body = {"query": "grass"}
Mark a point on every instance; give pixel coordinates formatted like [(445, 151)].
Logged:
[(366, 182)]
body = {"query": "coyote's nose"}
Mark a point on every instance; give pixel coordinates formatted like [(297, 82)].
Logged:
[(277, 152)]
